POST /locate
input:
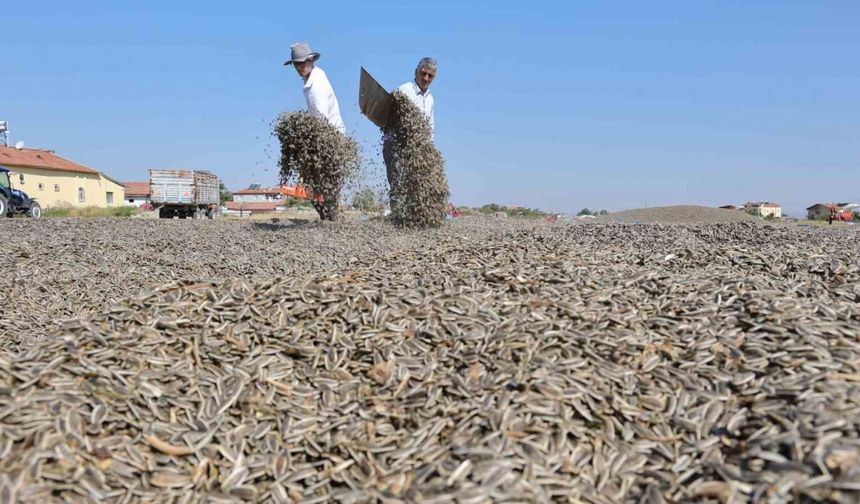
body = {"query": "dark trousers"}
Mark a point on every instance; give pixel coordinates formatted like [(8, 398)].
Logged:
[(390, 168), (388, 158)]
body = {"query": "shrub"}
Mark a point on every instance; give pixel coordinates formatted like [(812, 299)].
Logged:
[(91, 211), (224, 194), (492, 208), (364, 200)]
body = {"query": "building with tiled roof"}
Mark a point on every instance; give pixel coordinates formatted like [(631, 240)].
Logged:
[(764, 209), (258, 193), (55, 181), (136, 193), (244, 208), (822, 211)]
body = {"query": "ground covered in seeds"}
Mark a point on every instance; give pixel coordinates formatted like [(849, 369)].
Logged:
[(483, 361), (678, 214)]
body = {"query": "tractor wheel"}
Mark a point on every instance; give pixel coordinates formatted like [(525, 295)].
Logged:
[(35, 211), (4, 207)]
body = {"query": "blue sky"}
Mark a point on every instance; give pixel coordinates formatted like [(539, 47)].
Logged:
[(555, 105)]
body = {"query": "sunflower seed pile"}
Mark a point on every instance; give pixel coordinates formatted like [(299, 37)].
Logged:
[(678, 214), (419, 189), (58, 269), (527, 362), (317, 154)]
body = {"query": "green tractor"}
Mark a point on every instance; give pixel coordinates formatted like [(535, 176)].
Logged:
[(13, 201)]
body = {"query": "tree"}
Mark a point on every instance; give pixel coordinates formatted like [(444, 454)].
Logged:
[(226, 195), (603, 212), (364, 199), (292, 202), (491, 208), (584, 211), (857, 216)]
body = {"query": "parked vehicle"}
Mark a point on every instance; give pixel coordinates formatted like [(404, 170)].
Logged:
[(14, 201), (184, 193)]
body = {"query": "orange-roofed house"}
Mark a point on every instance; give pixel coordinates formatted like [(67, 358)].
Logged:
[(55, 181), (137, 193), (252, 207)]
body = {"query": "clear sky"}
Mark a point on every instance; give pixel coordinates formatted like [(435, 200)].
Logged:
[(554, 105)]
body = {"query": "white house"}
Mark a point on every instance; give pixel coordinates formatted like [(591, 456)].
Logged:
[(136, 193), (764, 209), (258, 193)]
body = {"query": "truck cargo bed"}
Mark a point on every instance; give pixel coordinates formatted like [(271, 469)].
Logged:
[(184, 187)]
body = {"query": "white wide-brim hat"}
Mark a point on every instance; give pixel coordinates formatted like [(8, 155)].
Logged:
[(300, 52)]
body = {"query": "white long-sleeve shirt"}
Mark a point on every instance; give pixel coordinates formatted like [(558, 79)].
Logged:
[(321, 99), (423, 101)]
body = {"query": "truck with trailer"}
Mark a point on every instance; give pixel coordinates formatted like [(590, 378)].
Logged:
[(184, 194)]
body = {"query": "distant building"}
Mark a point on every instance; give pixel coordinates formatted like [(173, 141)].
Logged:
[(136, 193), (819, 211), (764, 209), (58, 182), (256, 192), (114, 191), (245, 208), (822, 211)]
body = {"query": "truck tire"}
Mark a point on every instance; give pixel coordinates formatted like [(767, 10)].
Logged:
[(35, 211), (4, 207)]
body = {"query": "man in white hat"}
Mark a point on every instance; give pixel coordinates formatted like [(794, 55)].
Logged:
[(318, 91)]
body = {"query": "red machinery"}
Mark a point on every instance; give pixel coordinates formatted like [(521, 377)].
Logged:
[(452, 211), (299, 191), (841, 214), (296, 191)]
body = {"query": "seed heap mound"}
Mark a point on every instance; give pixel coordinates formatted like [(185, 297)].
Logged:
[(316, 153), (419, 191), (604, 363), (678, 214)]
